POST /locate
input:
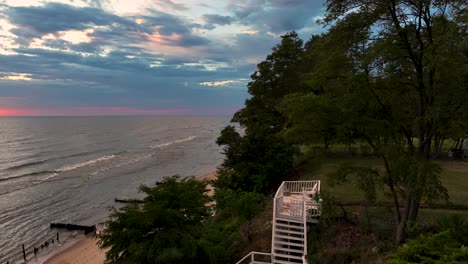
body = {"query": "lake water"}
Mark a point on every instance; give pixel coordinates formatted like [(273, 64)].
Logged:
[(70, 169)]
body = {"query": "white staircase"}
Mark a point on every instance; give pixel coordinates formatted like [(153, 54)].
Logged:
[(296, 203)]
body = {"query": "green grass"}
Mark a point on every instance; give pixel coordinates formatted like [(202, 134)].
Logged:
[(346, 192), (457, 186), (371, 236), (317, 169)]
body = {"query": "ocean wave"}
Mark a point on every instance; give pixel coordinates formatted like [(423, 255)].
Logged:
[(38, 173), (25, 165), (34, 163), (86, 163), (127, 162), (173, 142), (17, 140)]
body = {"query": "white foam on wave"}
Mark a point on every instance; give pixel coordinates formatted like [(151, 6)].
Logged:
[(52, 175), (173, 142), (86, 163), (127, 162)]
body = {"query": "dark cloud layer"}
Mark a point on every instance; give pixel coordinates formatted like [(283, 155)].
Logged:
[(156, 60), (276, 15), (218, 19), (53, 17)]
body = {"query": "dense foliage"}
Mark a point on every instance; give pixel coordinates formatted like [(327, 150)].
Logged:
[(450, 246), (176, 224), (392, 75), (261, 158), (166, 229)]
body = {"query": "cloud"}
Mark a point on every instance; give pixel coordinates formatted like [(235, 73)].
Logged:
[(218, 19), (173, 5), (68, 22), (14, 76), (276, 16), (54, 17), (95, 55), (218, 83)]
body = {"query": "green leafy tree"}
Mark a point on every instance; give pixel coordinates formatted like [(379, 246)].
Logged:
[(391, 74), (259, 159), (222, 232), (255, 162), (166, 228)]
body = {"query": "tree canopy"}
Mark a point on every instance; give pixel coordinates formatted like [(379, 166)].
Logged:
[(166, 228), (393, 75)]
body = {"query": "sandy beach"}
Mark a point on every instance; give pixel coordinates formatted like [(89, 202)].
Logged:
[(87, 251), (82, 252)]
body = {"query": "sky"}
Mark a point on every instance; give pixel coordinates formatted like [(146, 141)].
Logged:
[(139, 57)]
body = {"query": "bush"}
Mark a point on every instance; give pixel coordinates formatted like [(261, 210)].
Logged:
[(449, 246)]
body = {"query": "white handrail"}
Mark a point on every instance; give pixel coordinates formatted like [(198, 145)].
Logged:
[(252, 257), (279, 193), (304, 219), (301, 186)]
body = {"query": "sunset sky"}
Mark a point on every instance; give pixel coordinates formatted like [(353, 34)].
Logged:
[(139, 57)]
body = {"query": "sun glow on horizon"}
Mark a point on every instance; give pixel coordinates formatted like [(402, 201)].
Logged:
[(13, 112)]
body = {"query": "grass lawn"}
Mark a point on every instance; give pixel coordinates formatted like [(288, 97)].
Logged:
[(370, 236), (454, 177), (456, 183)]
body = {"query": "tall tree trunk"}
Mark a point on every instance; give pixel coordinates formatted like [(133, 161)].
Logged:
[(391, 185), (438, 142), (414, 209), (401, 228)]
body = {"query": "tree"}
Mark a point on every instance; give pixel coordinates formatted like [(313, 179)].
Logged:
[(391, 74), (255, 162), (260, 159), (166, 228), (274, 78), (222, 233)]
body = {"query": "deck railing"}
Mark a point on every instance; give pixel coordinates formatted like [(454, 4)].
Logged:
[(300, 186), (257, 258), (297, 207)]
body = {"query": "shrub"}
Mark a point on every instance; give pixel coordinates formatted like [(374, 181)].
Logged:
[(449, 246)]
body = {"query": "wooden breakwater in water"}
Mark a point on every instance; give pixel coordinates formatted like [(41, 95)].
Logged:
[(73, 227), (27, 253), (127, 200)]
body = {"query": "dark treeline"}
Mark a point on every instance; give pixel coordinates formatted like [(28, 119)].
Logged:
[(388, 74)]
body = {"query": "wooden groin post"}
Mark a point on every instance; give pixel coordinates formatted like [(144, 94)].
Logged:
[(58, 237), (24, 253)]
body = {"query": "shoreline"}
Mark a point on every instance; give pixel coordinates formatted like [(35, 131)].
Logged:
[(86, 250)]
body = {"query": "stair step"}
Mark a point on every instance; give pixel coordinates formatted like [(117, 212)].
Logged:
[(290, 226), (277, 261), (289, 237), (287, 256), (290, 221), (288, 243), (281, 262), (280, 255), (289, 231), (288, 249)]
